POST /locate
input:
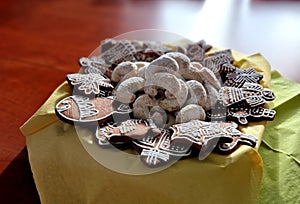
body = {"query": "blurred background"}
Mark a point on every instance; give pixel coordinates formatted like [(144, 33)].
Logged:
[(41, 41)]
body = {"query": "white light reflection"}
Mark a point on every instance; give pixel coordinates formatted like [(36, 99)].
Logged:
[(212, 20)]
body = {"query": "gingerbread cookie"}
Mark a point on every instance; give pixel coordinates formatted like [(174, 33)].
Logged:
[(126, 131), (120, 52), (82, 109), (95, 65), (156, 47), (204, 136), (158, 150), (196, 51), (220, 62), (218, 113), (237, 139), (90, 84), (226, 52), (239, 77), (240, 113), (107, 44), (251, 93), (149, 51)]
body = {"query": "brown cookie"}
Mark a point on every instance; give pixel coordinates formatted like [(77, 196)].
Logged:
[(107, 44), (82, 109), (159, 150), (239, 77), (220, 62), (126, 131), (150, 51), (206, 136), (156, 47), (202, 135), (250, 93), (95, 65), (141, 56), (120, 52), (240, 113), (196, 51), (90, 84), (227, 53), (237, 139), (244, 114)]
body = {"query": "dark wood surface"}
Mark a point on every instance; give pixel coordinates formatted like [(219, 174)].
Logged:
[(41, 42)]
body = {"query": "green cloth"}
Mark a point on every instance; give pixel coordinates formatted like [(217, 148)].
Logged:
[(280, 148)]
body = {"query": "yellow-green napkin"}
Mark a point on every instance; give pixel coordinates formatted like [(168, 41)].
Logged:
[(280, 148)]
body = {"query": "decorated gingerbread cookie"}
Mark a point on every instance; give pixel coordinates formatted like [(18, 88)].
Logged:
[(126, 131), (156, 151), (239, 77), (251, 93), (220, 62), (196, 51), (119, 52), (237, 139), (204, 136), (226, 53), (95, 65), (240, 113), (90, 84), (82, 109), (156, 47), (149, 51)]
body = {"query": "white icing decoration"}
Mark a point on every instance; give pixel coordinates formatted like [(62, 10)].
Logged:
[(86, 109), (155, 153), (159, 148), (197, 131), (89, 83), (124, 127), (65, 106)]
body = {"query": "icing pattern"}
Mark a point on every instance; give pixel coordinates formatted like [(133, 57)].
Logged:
[(157, 151), (121, 51), (123, 130), (228, 147), (95, 65), (253, 94), (85, 108), (240, 113), (204, 136), (239, 77), (220, 63), (78, 108), (158, 146), (90, 83)]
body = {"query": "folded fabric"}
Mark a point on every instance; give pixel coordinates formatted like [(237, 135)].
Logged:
[(280, 146)]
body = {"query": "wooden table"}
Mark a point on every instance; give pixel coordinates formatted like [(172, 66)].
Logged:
[(41, 42)]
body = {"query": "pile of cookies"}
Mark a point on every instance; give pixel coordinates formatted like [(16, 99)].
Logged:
[(167, 102)]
